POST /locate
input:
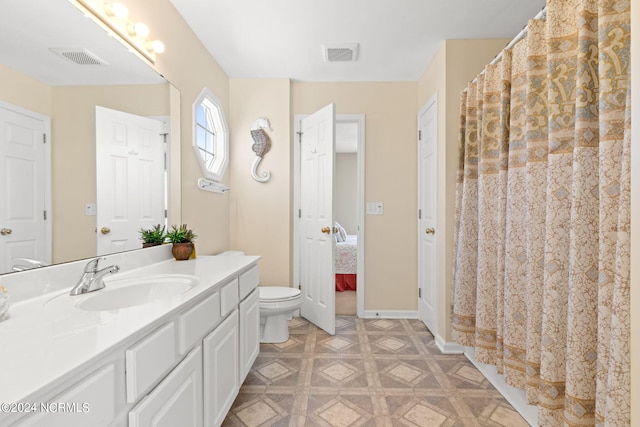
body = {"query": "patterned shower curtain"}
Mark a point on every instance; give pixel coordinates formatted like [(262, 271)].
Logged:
[(541, 274)]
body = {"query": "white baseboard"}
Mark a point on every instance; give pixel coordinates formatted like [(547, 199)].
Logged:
[(390, 314), (448, 347), (515, 396)]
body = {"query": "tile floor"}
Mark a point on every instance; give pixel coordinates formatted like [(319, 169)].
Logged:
[(373, 372)]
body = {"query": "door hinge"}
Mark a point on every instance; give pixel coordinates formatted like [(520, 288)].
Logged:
[(299, 137), (419, 135), (419, 292), (419, 213), (299, 213), (165, 214), (44, 138), (300, 287), (44, 215)]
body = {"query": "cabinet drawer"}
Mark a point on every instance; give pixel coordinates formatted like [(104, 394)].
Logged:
[(194, 323), (249, 281), (229, 297), (149, 360)]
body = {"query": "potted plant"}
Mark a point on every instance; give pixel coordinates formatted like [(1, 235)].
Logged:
[(152, 236), (182, 240)]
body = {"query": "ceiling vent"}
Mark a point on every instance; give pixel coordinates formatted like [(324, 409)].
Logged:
[(78, 56), (346, 52)]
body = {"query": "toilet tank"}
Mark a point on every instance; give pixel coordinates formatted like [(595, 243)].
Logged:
[(231, 253)]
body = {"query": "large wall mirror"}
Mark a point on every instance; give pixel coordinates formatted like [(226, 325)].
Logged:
[(58, 67)]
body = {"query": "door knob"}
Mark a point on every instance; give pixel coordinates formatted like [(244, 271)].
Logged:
[(326, 230), (6, 231), (430, 231), (105, 230)]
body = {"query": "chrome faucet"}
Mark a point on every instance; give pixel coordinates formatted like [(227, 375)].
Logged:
[(92, 278)]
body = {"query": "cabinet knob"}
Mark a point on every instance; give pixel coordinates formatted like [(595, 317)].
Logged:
[(5, 231), (430, 231)]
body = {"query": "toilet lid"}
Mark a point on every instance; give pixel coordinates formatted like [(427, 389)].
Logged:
[(277, 293)]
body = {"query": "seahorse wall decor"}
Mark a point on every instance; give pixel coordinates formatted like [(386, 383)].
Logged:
[(261, 146)]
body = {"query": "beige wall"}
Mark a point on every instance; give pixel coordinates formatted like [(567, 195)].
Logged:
[(189, 67), (346, 191), (260, 213), (390, 239), (455, 64), (24, 92), (73, 156)]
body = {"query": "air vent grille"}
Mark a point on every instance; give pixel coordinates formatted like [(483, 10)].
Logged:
[(340, 52), (79, 56)]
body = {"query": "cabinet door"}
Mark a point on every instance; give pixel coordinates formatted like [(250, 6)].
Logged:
[(221, 367), (249, 332), (91, 402), (177, 400)]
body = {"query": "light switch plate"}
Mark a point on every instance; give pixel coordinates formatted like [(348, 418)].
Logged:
[(375, 208), (90, 209)]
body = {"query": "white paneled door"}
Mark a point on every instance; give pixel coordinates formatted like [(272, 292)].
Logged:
[(129, 178), (23, 221), (317, 241), (427, 197)]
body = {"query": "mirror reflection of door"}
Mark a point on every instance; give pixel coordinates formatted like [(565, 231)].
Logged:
[(130, 167), (23, 223)]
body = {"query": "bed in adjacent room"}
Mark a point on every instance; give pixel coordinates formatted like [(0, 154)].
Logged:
[(346, 263)]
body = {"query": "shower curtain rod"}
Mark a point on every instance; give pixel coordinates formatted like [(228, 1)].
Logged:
[(522, 34)]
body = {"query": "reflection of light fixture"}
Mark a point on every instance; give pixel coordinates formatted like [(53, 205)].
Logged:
[(139, 29), (119, 10), (155, 46), (113, 16)]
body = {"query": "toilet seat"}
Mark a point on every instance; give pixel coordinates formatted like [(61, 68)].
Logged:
[(271, 294)]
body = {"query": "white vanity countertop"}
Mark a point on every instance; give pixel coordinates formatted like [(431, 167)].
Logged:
[(41, 343)]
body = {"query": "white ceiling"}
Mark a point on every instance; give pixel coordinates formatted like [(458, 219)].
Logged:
[(397, 38)]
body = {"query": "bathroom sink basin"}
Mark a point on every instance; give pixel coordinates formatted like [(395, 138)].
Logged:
[(136, 291)]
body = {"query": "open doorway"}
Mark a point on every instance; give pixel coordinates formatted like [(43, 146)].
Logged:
[(348, 212), (346, 216)]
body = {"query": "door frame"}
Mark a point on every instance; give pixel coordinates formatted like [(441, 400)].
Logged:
[(360, 173), (48, 226), (431, 103)]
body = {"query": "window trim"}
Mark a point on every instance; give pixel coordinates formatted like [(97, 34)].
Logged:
[(221, 136)]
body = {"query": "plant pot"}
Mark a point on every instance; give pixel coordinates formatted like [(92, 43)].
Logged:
[(148, 245), (182, 251)]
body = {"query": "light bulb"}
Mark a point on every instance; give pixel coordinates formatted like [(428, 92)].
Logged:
[(117, 9), (155, 46), (139, 29)]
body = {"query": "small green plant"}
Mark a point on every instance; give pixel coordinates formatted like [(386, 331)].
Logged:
[(153, 235), (180, 234)]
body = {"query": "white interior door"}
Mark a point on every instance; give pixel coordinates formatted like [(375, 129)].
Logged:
[(427, 197), (129, 178), (317, 242), (22, 189)]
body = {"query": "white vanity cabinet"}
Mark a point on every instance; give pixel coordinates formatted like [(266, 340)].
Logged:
[(177, 400), (185, 369), (249, 332), (221, 370)]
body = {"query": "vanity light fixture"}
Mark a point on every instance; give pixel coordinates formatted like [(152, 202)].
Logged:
[(155, 46), (114, 18), (119, 10), (139, 29)]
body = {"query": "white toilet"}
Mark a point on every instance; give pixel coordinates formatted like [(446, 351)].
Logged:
[(277, 304)]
